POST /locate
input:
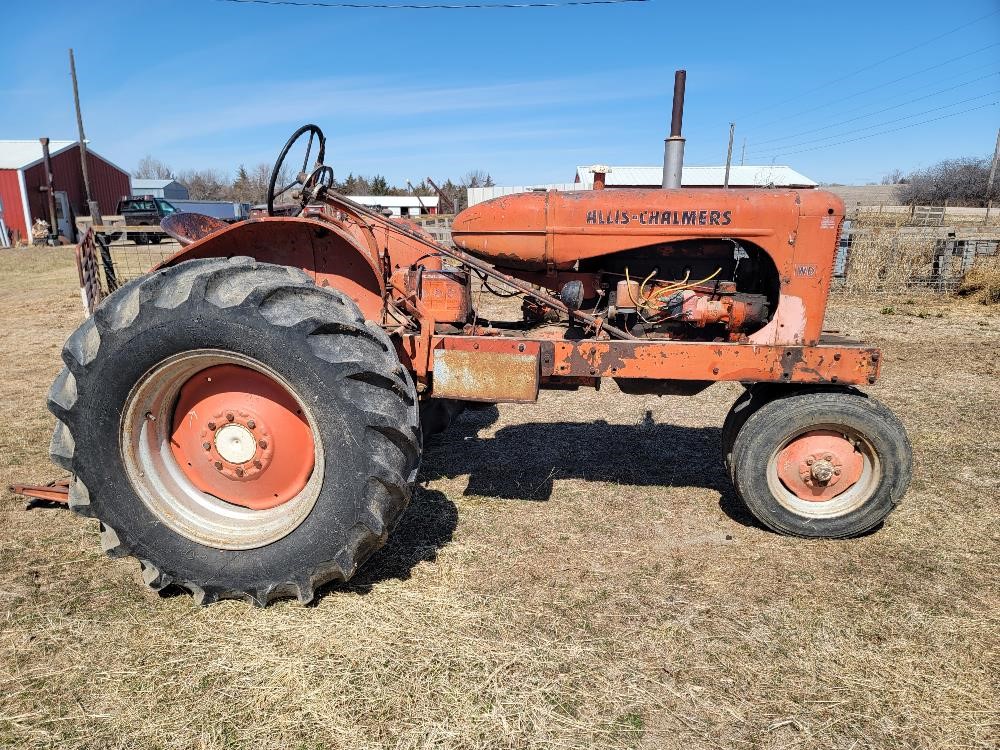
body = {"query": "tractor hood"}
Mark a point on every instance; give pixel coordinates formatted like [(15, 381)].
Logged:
[(554, 230)]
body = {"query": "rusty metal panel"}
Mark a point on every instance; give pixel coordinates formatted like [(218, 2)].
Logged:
[(54, 492), (677, 360), (486, 376)]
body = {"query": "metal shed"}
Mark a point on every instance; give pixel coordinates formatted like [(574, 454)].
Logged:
[(22, 177), (169, 189)]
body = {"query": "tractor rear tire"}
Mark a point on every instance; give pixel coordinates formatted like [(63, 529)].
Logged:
[(436, 414), (347, 429), (825, 464)]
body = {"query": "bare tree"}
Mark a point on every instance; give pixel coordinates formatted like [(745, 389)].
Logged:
[(477, 178), (149, 168), (958, 181), (206, 184), (250, 186), (895, 177)]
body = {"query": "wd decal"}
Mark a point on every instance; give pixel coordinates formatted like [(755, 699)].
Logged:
[(705, 217), (803, 270)]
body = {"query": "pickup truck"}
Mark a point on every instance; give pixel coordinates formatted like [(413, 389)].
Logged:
[(141, 211)]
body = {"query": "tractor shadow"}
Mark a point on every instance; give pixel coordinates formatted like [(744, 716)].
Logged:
[(521, 462), (427, 525)]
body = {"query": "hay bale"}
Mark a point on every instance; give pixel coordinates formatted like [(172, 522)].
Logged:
[(885, 258), (982, 282)]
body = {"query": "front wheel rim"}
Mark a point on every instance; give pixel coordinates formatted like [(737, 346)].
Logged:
[(162, 468), (824, 471)]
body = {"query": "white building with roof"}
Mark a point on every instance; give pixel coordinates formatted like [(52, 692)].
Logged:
[(741, 176), (399, 205)]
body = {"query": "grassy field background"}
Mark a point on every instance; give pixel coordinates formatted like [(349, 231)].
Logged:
[(575, 573)]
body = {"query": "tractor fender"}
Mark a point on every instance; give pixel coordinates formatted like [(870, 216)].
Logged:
[(333, 257)]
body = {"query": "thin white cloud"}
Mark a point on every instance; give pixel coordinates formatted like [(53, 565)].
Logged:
[(195, 115)]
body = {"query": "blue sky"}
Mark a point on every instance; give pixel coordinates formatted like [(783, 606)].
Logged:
[(524, 94)]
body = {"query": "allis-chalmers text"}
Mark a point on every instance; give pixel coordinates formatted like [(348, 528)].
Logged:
[(695, 218)]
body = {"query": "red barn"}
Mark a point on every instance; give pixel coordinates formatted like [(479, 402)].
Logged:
[(22, 177)]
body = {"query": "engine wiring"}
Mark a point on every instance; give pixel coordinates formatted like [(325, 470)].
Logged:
[(656, 295), (682, 286)]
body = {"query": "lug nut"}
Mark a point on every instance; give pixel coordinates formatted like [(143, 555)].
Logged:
[(207, 446), (262, 444), (837, 471), (211, 426), (258, 465), (230, 417), (218, 465), (251, 424), (239, 472), (828, 457), (810, 461)]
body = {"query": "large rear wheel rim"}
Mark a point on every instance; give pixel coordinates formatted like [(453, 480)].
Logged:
[(164, 477)]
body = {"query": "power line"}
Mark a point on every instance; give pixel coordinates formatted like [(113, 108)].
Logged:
[(840, 99), (431, 6), (875, 64), (889, 122), (885, 132), (877, 111), (908, 93)]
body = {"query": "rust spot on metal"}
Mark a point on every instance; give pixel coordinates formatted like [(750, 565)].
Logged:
[(188, 227), (53, 492), (486, 376)]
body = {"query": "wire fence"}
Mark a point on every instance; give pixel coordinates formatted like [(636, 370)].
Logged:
[(132, 259), (892, 252)]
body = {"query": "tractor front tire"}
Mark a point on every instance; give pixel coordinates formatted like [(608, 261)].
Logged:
[(240, 431), (825, 464)]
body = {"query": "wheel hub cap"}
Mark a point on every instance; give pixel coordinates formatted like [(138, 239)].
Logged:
[(235, 444), (240, 436), (819, 465)]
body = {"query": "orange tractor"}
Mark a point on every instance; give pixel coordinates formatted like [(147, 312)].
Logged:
[(247, 419)]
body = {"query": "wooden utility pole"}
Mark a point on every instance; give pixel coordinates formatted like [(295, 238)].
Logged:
[(729, 154), (993, 167), (49, 189), (743, 153), (92, 205)]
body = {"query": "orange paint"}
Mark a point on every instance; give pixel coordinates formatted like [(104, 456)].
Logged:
[(819, 465), (240, 436)]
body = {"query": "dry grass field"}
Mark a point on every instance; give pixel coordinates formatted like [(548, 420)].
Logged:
[(572, 574)]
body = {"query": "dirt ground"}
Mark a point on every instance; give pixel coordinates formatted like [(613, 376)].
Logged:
[(575, 573)]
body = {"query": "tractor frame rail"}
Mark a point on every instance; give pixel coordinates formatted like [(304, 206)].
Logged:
[(506, 368)]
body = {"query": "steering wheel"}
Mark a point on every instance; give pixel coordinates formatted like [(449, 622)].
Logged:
[(318, 179)]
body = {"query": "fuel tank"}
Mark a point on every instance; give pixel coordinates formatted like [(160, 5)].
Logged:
[(554, 230)]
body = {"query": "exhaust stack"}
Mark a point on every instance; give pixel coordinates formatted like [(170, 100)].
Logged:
[(673, 147)]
